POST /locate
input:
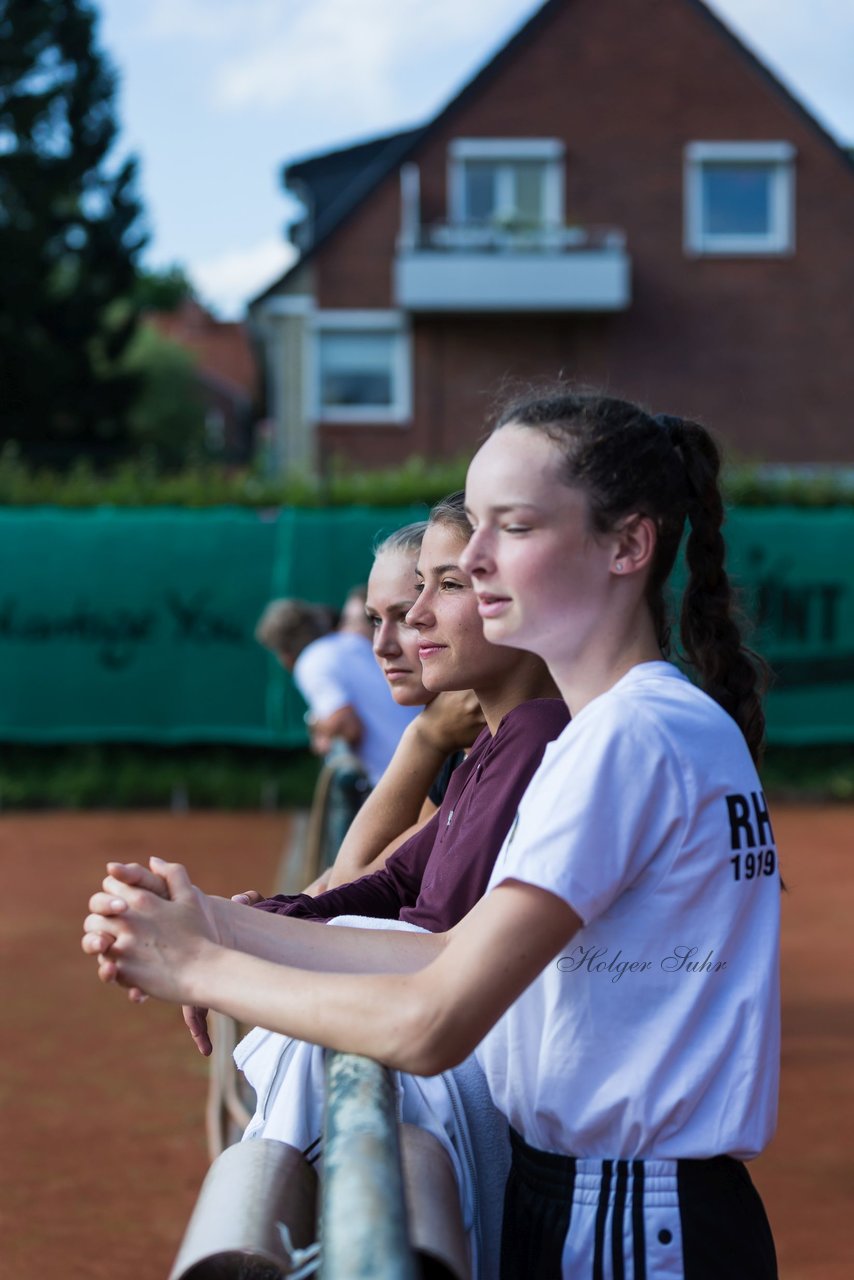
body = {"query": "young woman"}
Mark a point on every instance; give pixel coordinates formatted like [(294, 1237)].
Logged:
[(620, 975), (338, 679), (414, 783), (389, 596)]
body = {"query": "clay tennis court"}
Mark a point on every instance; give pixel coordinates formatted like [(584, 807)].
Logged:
[(102, 1102)]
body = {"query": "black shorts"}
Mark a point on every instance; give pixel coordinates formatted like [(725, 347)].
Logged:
[(580, 1219)]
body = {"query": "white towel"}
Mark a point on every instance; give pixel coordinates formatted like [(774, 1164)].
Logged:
[(288, 1078)]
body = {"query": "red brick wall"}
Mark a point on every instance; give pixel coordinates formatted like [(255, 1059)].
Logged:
[(760, 349)]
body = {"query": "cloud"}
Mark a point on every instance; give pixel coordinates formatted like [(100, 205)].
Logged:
[(378, 63), (320, 47), (209, 21), (228, 280), (360, 57), (333, 58)]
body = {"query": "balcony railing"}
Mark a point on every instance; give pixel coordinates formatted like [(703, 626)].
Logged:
[(509, 237), (511, 267)]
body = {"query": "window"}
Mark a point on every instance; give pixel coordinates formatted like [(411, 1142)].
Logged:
[(506, 181), (739, 197), (512, 191), (362, 367), (356, 369)]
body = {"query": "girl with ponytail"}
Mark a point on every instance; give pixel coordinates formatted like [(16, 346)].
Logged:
[(619, 979), (654, 1074)]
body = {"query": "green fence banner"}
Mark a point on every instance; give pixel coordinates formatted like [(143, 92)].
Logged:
[(137, 625), (797, 577)]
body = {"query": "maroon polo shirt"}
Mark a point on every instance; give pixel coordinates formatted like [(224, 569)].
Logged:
[(437, 876)]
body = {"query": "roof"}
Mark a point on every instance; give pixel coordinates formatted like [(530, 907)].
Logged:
[(333, 183), (221, 350), (335, 180), (361, 168)]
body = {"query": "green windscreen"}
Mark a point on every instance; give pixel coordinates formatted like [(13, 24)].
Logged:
[(137, 625), (130, 625)]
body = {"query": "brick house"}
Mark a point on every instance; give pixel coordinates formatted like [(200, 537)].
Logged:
[(226, 370), (624, 194)]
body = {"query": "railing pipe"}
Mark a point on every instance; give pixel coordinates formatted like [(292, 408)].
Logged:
[(363, 1227)]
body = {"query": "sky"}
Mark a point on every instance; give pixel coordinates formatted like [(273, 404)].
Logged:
[(215, 96)]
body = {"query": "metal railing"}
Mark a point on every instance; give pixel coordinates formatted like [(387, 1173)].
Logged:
[(363, 1227), (510, 237), (256, 1215)]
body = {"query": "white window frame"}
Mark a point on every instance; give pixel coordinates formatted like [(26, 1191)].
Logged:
[(510, 150), (780, 237), (399, 412)]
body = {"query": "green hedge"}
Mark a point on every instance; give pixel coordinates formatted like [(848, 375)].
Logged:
[(776, 486), (815, 773), (136, 777), (139, 483)]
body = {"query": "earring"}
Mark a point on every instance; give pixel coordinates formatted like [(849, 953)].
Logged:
[(619, 566)]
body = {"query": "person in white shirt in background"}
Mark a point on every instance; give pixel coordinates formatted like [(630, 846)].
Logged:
[(337, 675)]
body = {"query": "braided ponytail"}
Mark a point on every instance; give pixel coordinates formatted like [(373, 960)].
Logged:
[(730, 672)]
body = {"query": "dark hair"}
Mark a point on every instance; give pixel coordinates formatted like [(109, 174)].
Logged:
[(452, 511), (627, 461)]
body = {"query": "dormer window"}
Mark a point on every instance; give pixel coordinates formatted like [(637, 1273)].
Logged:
[(506, 182), (739, 198)]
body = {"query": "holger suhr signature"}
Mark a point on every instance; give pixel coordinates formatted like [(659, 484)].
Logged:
[(681, 959)]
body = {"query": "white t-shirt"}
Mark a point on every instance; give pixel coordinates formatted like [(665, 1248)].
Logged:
[(340, 670), (656, 1033)]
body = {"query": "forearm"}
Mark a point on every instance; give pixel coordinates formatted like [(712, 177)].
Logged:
[(305, 945), (376, 1014), (417, 1001), (420, 1002), (392, 809)]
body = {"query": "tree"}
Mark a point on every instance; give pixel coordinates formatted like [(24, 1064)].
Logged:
[(69, 238), (163, 290), (167, 421)]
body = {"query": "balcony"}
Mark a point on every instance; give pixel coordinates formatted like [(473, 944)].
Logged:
[(493, 267)]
